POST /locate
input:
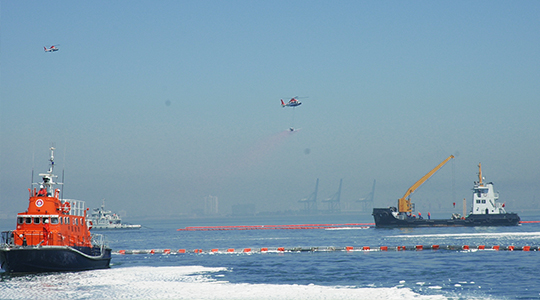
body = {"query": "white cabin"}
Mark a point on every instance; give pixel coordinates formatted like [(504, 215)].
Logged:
[(485, 198)]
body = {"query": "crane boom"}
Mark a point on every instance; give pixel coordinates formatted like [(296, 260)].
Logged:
[(404, 203)]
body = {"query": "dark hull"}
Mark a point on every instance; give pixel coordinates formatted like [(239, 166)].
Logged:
[(384, 218), (53, 259)]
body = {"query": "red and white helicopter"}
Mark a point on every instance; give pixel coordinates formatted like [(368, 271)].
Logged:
[(292, 103), (51, 49)]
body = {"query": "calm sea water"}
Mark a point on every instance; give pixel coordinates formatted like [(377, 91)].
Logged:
[(427, 274)]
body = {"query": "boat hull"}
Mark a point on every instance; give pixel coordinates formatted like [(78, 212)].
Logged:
[(116, 227), (53, 259), (384, 217)]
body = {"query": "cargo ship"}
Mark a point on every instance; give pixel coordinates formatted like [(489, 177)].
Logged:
[(485, 210), (52, 235)]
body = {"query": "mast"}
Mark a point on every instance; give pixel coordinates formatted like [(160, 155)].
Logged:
[(48, 182), (32, 182), (480, 183)]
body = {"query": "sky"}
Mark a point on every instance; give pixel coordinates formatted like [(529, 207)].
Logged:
[(154, 105)]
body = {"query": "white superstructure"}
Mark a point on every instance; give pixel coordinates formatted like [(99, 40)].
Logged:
[(485, 199), (106, 219)]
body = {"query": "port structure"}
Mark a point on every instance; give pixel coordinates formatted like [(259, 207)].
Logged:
[(333, 202), (310, 202), (367, 201)]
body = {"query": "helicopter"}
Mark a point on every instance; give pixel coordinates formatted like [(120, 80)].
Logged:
[(292, 103), (51, 49)]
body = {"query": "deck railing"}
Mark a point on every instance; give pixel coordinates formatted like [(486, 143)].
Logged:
[(37, 238)]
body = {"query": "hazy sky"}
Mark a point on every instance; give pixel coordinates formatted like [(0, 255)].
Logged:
[(153, 105)]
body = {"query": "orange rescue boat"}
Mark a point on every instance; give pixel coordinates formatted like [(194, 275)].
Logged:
[(52, 234)]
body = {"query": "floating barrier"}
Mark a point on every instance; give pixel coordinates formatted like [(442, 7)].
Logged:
[(331, 249), (275, 227), (301, 226)]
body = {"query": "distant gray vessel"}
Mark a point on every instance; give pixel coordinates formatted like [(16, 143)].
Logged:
[(102, 219)]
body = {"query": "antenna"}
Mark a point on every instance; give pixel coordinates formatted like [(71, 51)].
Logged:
[(454, 183), (62, 195), (33, 165), (65, 149)]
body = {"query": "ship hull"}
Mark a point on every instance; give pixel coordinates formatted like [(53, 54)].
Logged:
[(116, 227), (53, 259), (385, 218)]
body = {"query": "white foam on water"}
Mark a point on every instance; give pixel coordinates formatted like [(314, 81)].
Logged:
[(348, 228), (184, 282)]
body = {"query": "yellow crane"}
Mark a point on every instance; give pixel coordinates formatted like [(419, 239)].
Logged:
[(404, 203)]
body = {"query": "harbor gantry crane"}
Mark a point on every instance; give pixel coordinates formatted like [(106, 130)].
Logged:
[(367, 201), (334, 205), (310, 203)]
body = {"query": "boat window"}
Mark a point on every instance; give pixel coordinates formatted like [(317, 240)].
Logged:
[(483, 201), (61, 220), (477, 201), (67, 220), (54, 220), (28, 220), (45, 220), (36, 220), (20, 220)]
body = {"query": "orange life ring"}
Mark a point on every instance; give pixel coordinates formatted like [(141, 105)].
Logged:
[(90, 224), (66, 207)]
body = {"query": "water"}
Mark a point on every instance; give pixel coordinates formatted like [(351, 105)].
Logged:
[(427, 274)]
